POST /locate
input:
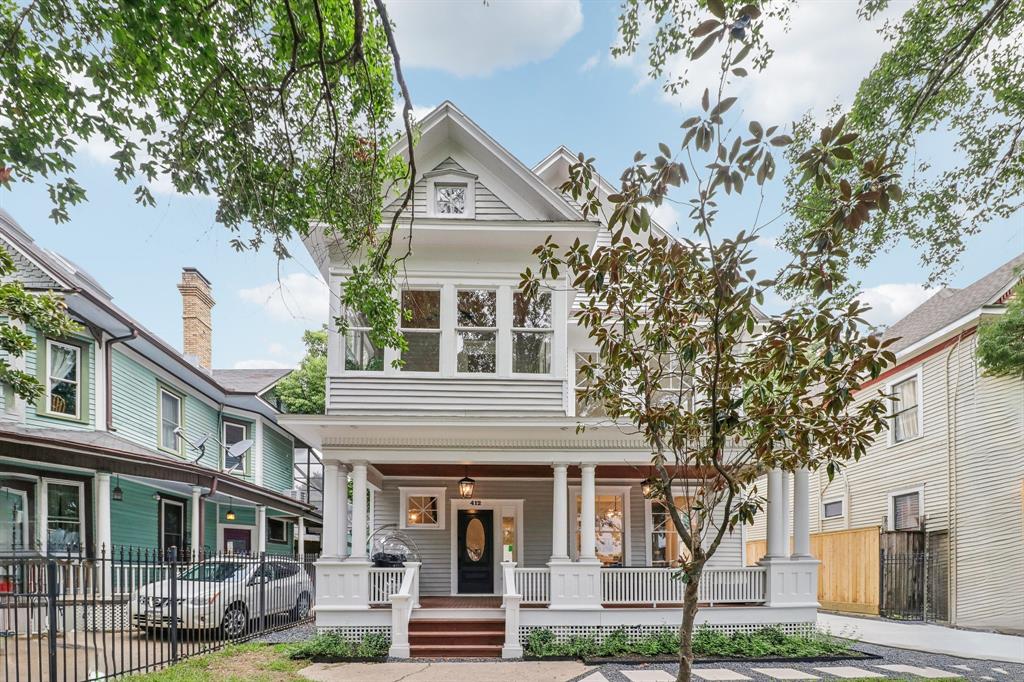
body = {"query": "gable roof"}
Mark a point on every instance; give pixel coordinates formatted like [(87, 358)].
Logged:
[(949, 305), (249, 380)]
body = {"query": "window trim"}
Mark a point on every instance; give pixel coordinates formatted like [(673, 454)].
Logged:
[(439, 331), (160, 390), (405, 493), (915, 373), (451, 177), (677, 491), (44, 504), (891, 504), (284, 528), (550, 330), (352, 329), (246, 468), (496, 330), (25, 527), (161, 507), (841, 499), (43, 345), (624, 491)]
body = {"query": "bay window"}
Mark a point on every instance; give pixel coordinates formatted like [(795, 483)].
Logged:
[(476, 330), (360, 353), (532, 333), (421, 326)]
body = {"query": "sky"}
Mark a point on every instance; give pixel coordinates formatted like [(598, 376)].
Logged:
[(535, 74)]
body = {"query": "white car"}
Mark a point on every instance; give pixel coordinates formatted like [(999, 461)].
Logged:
[(225, 593)]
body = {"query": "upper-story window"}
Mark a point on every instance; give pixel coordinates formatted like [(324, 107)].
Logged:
[(360, 353), (236, 432), (170, 420), (586, 407), (450, 199), (906, 418), (476, 331), (64, 379), (532, 333), (421, 326)]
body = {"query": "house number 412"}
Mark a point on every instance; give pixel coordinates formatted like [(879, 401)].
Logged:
[(475, 503)]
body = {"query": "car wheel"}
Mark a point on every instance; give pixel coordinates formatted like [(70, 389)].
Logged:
[(235, 621), (301, 609)]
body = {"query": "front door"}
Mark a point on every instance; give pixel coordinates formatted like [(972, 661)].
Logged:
[(237, 540), (172, 526), (476, 551)]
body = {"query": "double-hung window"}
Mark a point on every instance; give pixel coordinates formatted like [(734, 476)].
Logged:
[(667, 546), (906, 418), (476, 331), (360, 353), (65, 528), (235, 432), (421, 326), (63, 379), (532, 333), (170, 420), (905, 510), (586, 407)]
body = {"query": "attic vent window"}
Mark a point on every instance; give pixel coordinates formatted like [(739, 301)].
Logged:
[(450, 199)]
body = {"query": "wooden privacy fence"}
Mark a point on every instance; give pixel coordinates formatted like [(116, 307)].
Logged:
[(848, 575)]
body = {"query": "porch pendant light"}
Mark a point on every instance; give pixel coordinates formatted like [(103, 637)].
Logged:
[(647, 487), (466, 486), (117, 494), (230, 514)]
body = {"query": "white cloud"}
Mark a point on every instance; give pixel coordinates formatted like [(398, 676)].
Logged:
[(591, 62), (473, 38), (262, 364), (892, 302), (666, 215), (297, 296)]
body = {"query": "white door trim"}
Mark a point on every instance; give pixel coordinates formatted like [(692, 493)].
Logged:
[(501, 507), (25, 539), (239, 526)]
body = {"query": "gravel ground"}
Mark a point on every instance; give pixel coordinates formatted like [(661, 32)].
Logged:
[(980, 671)]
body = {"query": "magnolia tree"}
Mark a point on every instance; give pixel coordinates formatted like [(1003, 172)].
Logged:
[(720, 391)]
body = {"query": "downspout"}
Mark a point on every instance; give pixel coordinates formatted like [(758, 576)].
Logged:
[(109, 374), (202, 510), (951, 508)]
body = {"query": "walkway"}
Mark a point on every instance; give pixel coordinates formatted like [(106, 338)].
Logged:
[(937, 639)]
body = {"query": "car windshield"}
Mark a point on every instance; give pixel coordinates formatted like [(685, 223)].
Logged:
[(212, 572)]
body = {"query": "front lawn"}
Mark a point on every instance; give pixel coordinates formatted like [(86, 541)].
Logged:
[(249, 662)]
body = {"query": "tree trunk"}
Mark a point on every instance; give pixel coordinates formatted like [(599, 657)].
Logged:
[(686, 631)]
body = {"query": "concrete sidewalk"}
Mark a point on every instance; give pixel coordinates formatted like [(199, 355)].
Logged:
[(926, 637), (432, 671)]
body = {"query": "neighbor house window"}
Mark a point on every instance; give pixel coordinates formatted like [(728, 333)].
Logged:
[(236, 432), (170, 420), (450, 199), (609, 526), (905, 510), (832, 509), (277, 531), (476, 331), (421, 326), (905, 408), (422, 507), (64, 378), (65, 528), (667, 546), (360, 353), (585, 407), (531, 333)]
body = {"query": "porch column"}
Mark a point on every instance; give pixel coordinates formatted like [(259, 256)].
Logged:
[(103, 535), (776, 540), (801, 514), (197, 520), (329, 534), (341, 505), (300, 538), (560, 514), (261, 528), (787, 530), (588, 511), (359, 503)]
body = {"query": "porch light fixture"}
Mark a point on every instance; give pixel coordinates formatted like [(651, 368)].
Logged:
[(117, 494), (466, 486), (230, 514), (647, 487)]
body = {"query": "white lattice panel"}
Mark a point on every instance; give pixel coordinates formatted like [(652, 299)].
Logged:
[(599, 632), (355, 632)]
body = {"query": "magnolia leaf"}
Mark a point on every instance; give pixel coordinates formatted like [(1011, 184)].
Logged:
[(705, 27), (705, 45), (717, 7)]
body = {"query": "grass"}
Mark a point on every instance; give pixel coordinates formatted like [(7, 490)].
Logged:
[(707, 643), (236, 663)]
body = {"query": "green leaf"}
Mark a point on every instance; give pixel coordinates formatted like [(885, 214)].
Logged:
[(717, 7), (705, 45), (705, 27)]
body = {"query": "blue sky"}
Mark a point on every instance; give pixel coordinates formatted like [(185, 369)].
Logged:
[(534, 74)]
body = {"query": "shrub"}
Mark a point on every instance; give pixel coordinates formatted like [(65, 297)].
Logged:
[(615, 644), (333, 645)]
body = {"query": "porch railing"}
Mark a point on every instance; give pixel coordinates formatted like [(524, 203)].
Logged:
[(403, 602), (385, 582), (663, 586), (533, 585)]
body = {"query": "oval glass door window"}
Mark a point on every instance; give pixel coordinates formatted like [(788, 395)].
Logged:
[(476, 540)]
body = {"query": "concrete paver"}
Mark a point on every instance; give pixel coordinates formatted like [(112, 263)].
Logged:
[(718, 674), (932, 673), (432, 671), (648, 676), (786, 674), (849, 672)]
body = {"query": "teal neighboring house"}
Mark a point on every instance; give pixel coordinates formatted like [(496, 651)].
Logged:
[(129, 446)]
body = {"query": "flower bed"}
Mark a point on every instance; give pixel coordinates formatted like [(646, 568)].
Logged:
[(333, 648)]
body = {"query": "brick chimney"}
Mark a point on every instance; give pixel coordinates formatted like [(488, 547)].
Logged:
[(196, 307)]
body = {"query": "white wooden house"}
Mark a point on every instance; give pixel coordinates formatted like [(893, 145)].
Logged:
[(471, 448)]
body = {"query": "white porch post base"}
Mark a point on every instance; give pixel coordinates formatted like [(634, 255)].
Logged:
[(575, 585), (342, 585), (400, 605), (791, 582)]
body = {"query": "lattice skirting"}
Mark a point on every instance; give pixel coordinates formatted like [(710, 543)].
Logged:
[(95, 617), (355, 632), (599, 632)]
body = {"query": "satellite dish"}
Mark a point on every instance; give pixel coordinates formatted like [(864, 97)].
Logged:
[(239, 448), (199, 447)]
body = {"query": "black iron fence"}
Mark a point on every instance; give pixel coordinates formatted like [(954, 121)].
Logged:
[(913, 585), (71, 617)]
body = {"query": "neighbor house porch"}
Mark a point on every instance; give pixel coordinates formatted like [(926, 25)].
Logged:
[(570, 546)]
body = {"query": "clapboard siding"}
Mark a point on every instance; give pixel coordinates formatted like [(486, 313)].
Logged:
[(434, 546), (278, 455), (488, 205), (402, 395)]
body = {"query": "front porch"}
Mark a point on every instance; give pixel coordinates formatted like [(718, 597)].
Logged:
[(570, 547)]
